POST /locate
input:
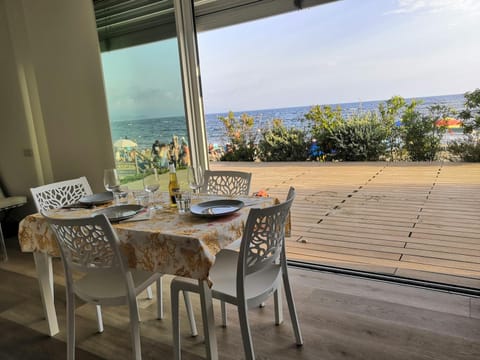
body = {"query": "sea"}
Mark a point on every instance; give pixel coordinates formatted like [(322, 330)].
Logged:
[(145, 131)]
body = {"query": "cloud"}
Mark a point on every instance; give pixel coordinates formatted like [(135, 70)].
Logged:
[(435, 6)]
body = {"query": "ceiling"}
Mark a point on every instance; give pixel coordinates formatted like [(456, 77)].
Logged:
[(124, 23)]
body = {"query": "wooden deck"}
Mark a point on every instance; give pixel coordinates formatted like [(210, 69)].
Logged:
[(416, 220)]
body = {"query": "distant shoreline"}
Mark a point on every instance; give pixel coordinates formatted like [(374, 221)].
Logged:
[(145, 131)]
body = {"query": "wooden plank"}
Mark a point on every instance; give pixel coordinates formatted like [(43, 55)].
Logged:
[(354, 212)]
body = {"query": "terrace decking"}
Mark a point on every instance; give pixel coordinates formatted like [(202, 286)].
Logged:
[(419, 220)]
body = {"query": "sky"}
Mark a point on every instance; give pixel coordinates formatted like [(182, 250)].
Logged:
[(345, 51)]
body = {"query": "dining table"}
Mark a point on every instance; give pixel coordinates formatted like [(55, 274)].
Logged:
[(157, 240)]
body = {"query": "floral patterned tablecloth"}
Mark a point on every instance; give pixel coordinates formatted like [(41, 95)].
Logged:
[(169, 243)]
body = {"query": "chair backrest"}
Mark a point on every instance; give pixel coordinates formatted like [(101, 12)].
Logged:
[(87, 244), (263, 238), (10, 202), (226, 182), (61, 193)]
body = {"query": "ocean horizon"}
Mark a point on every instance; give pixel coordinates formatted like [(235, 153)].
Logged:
[(145, 131)]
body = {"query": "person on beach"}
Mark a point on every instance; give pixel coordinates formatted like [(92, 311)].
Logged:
[(184, 153), (163, 155), (156, 148)]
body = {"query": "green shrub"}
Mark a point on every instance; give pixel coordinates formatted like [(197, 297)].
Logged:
[(241, 135), (471, 113), (420, 135), (323, 120), (390, 112), (282, 144), (361, 137), (467, 150)]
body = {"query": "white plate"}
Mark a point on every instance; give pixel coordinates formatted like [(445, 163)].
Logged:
[(97, 199), (216, 208), (120, 212)]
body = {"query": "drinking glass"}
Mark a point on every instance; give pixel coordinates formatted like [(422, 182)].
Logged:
[(195, 178), (151, 183), (111, 181)]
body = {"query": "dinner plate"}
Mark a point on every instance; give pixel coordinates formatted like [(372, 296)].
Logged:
[(216, 208), (97, 199), (120, 212)]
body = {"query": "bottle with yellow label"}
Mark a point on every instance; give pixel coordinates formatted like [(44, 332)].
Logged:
[(173, 186)]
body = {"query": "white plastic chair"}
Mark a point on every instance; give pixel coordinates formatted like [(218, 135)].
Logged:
[(226, 182), (62, 193), (90, 246), (7, 203), (231, 183), (249, 277)]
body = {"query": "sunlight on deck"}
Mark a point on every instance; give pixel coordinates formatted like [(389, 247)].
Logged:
[(415, 220)]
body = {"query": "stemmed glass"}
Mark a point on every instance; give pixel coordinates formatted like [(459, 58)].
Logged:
[(151, 183), (195, 178), (111, 181)]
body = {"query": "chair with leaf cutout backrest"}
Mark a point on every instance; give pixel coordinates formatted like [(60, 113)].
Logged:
[(226, 182), (249, 277), (90, 246), (58, 194), (7, 203), (231, 183), (63, 193)]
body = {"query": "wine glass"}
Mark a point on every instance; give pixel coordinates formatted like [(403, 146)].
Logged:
[(195, 178), (111, 181), (151, 183)]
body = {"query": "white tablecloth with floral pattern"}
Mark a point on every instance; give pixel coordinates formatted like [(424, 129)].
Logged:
[(169, 243)]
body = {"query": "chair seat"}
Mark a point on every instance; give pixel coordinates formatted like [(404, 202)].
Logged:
[(108, 288), (258, 285), (11, 202)]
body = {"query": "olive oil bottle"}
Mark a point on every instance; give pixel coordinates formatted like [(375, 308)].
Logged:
[(173, 186)]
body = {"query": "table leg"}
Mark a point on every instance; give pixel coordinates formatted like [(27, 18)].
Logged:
[(208, 320), (43, 265)]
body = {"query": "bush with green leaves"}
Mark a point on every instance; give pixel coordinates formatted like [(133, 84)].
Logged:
[(323, 120), (468, 149), (390, 113), (241, 135), (421, 136), (362, 137), (282, 144)]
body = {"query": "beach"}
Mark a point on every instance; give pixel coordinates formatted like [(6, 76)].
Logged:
[(146, 131)]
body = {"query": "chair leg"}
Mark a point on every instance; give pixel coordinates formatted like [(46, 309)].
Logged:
[(3, 249), (291, 308), (70, 325), (277, 298), (190, 315), (224, 313), (174, 295), (135, 328), (149, 293), (99, 318), (245, 329), (208, 319), (159, 299)]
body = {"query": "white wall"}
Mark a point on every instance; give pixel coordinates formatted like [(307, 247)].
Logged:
[(53, 113)]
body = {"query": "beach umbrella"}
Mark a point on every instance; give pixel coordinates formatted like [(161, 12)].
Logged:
[(124, 143), (449, 123)]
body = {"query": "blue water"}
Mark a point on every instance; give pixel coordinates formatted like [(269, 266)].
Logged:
[(145, 131)]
